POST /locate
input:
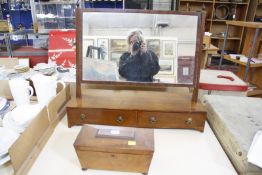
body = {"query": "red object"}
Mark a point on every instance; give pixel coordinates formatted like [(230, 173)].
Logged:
[(219, 87), (221, 80), (61, 47), (226, 77), (34, 59)]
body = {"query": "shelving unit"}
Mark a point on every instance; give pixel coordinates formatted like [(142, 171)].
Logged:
[(255, 14), (40, 9), (193, 5), (255, 11), (19, 11), (119, 4), (54, 14), (217, 14), (61, 14), (249, 51)]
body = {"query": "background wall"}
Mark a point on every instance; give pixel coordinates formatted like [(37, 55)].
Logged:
[(183, 27)]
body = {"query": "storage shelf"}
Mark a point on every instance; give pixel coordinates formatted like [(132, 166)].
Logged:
[(218, 20), (215, 25), (227, 57), (58, 17), (237, 3), (55, 3), (245, 24), (193, 1), (229, 38)]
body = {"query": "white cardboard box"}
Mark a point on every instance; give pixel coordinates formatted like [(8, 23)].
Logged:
[(28, 146)]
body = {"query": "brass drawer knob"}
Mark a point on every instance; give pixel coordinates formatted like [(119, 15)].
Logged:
[(189, 121), (152, 119), (82, 116), (120, 119)]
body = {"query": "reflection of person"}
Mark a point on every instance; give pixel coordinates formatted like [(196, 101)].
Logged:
[(139, 64)]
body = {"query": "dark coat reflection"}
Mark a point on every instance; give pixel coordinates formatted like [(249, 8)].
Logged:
[(139, 67)]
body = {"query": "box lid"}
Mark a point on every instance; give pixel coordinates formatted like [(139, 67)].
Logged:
[(115, 139)]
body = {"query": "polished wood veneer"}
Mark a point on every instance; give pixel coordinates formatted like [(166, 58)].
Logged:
[(114, 153), (147, 108)]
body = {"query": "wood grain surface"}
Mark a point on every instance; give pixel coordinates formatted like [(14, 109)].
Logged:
[(114, 153), (167, 107)]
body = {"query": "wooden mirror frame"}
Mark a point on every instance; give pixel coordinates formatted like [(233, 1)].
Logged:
[(198, 52)]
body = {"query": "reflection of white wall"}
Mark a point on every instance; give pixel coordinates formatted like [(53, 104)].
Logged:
[(186, 48), (180, 33), (130, 20), (182, 27), (115, 32)]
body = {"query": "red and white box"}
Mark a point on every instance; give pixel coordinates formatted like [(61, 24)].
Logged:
[(62, 47)]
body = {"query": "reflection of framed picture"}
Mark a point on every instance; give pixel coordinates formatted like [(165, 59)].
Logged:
[(154, 45), (166, 67), (102, 43), (169, 48), (115, 56), (118, 45), (86, 44)]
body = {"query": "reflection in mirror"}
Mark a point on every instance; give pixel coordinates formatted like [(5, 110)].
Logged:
[(139, 47)]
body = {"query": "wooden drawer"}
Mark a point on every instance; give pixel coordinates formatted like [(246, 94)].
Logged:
[(172, 120), (101, 116)]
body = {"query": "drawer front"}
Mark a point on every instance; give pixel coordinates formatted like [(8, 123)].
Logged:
[(171, 120), (101, 116)]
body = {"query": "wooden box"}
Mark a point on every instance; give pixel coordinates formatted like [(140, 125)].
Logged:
[(28, 146), (9, 63), (4, 26), (207, 41), (115, 148)]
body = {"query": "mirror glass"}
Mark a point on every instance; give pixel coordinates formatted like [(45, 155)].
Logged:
[(139, 47)]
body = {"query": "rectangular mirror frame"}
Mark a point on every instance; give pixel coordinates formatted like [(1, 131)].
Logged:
[(79, 37)]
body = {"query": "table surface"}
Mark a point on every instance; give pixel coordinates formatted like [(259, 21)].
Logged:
[(162, 99), (177, 151), (211, 48), (210, 80)]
